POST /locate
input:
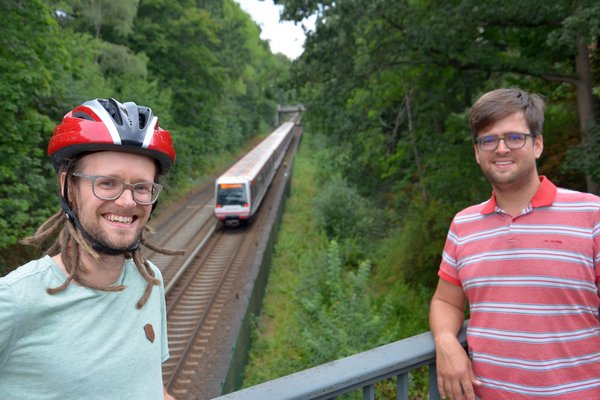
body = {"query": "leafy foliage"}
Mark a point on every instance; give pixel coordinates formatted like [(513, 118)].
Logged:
[(423, 229), (389, 84), (584, 157), (438, 55), (96, 14), (343, 320), (201, 67), (320, 304), (30, 49), (342, 213)]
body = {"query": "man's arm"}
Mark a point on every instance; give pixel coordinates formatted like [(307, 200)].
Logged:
[(454, 372)]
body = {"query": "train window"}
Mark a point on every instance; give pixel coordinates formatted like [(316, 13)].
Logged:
[(231, 195)]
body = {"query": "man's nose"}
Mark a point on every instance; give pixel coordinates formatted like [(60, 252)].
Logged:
[(502, 147), (126, 198)]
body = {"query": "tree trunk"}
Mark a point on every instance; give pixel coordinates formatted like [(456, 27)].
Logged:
[(413, 141), (585, 102)]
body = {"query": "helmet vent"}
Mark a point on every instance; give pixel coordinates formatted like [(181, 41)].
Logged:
[(142, 121), (145, 116), (112, 108), (82, 115)]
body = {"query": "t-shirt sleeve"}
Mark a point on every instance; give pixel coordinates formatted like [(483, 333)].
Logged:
[(448, 267), (8, 322)]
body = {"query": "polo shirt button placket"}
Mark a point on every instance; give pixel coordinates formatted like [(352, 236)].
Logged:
[(511, 238)]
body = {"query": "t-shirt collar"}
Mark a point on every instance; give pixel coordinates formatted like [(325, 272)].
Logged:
[(543, 197)]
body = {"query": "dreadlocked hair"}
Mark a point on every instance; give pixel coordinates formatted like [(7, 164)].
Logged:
[(144, 268), (68, 241)]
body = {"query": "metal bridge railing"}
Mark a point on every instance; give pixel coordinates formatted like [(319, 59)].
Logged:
[(357, 372)]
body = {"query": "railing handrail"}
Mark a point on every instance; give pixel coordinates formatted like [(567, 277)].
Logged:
[(357, 371)]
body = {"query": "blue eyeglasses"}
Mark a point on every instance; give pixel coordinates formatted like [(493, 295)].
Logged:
[(513, 140)]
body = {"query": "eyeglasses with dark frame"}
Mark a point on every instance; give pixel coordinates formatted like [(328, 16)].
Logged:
[(111, 188), (512, 140)]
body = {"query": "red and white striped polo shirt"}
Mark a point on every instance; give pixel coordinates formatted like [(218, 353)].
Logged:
[(531, 282)]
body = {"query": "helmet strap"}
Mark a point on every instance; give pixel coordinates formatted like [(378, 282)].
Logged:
[(64, 204)]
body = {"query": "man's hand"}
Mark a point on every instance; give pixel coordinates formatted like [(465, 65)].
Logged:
[(455, 376)]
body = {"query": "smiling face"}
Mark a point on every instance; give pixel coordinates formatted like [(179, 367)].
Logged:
[(508, 169), (113, 223)]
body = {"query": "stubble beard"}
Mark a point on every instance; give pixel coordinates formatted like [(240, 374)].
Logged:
[(102, 238), (514, 180)]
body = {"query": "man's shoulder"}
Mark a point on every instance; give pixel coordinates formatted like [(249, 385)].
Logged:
[(568, 195), (154, 267), (471, 212), (31, 270)]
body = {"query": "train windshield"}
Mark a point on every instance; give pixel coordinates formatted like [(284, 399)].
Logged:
[(231, 195)]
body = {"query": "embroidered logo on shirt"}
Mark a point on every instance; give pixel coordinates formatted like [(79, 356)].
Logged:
[(554, 241), (149, 330)]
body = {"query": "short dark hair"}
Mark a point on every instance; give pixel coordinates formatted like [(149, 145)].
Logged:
[(500, 103)]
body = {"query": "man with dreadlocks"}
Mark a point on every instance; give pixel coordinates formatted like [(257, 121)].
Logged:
[(88, 320)]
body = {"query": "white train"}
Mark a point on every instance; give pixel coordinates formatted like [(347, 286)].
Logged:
[(241, 189)]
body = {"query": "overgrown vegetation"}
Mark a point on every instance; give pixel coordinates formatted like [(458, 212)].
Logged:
[(323, 301)]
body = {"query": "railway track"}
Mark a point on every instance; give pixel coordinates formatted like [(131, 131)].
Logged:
[(190, 304), (203, 286)]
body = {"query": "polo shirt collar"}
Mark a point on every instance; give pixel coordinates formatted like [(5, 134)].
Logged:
[(543, 197)]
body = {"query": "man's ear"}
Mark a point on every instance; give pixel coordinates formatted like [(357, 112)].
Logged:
[(63, 180), (538, 146), (476, 150)]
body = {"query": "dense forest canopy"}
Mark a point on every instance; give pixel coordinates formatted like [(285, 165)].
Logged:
[(391, 77), (389, 84), (201, 67)]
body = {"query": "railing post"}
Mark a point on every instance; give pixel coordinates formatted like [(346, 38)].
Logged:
[(369, 392), (434, 393), (402, 387)]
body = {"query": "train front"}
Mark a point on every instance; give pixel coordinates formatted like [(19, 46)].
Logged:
[(232, 204)]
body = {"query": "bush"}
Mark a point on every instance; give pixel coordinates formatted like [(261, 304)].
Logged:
[(341, 212), (413, 252), (336, 311)]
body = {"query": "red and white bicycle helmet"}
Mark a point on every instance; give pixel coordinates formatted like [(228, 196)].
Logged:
[(106, 124)]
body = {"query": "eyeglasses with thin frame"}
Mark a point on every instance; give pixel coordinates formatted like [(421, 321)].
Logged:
[(110, 188), (512, 140)]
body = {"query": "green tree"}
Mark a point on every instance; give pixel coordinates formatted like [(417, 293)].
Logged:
[(440, 55), (31, 55), (211, 58), (119, 15)]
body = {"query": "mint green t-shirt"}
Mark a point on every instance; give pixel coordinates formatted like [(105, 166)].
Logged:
[(80, 343)]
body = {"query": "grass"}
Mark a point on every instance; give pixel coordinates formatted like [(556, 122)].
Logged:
[(299, 241)]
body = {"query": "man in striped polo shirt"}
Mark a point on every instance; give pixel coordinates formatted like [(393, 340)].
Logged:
[(527, 261)]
